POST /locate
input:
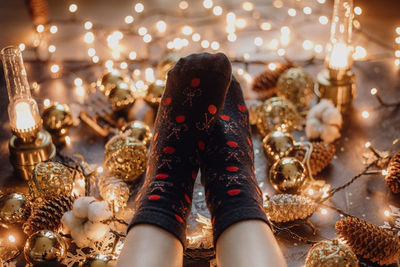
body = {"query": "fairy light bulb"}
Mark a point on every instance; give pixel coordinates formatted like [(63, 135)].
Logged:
[(22, 110), (187, 30), (53, 29), (161, 26), (339, 58), (128, 19), (73, 8), (139, 7), (88, 25)]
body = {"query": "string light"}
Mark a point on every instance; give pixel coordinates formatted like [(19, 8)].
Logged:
[(196, 37), (123, 65), (321, 1), (149, 75), (248, 6), (397, 40), (357, 10), (11, 238), (161, 26), (208, 4), (323, 20), (292, 12), (277, 4), (258, 41), (230, 18), (359, 53), (217, 10), (68, 140), (80, 91), (232, 37), (318, 48), (183, 5), (307, 10), (40, 28), (136, 72), (91, 52), (365, 114), (374, 91), (205, 44), (78, 82), (142, 31), (241, 23), (187, 30), (73, 8), (88, 38), (147, 38), (132, 55), (21, 46), (109, 64), (397, 53), (384, 172), (272, 66), (367, 144), (265, 26), (54, 68), (95, 59), (398, 30), (281, 52), (386, 213), (53, 29), (128, 19), (52, 48), (307, 45), (46, 102), (215, 45), (139, 8), (100, 169), (88, 25), (324, 211)]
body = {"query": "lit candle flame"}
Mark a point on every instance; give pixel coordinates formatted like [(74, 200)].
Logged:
[(24, 116), (338, 59)]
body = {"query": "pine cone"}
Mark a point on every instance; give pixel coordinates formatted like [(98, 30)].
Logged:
[(39, 11), (370, 241), (286, 207), (265, 83), (48, 214), (393, 174), (321, 155)]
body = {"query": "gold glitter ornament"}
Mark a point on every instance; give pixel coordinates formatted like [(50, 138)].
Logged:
[(167, 63), (287, 175), (14, 208), (297, 86), (114, 191), (50, 179), (97, 260), (125, 157), (154, 93), (139, 130), (57, 119), (109, 80), (278, 144), (121, 96), (276, 114), (331, 253), (283, 208), (45, 248)]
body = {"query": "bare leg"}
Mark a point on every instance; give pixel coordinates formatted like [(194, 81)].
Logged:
[(150, 246), (248, 243)]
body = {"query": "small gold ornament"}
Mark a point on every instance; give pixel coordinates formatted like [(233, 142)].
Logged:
[(154, 93), (57, 119), (125, 157), (276, 114), (167, 63), (297, 86), (97, 260), (139, 130), (14, 208), (121, 96), (50, 179), (331, 253), (114, 191), (278, 144), (109, 80), (45, 248), (287, 175)]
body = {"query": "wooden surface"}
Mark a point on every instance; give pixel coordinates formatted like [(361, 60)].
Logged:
[(367, 198)]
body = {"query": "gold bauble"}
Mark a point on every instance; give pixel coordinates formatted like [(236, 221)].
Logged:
[(167, 63), (297, 86), (97, 260), (287, 175), (331, 253), (276, 114), (13, 208), (50, 179), (109, 80), (278, 144), (121, 96), (125, 157), (154, 93), (139, 130), (114, 191), (57, 118), (45, 248)]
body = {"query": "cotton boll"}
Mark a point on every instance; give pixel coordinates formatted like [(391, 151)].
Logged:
[(98, 211), (313, 128), (332, 116), (95, 231), (79, 237), (330, 133), (70, 221), (81, 205)]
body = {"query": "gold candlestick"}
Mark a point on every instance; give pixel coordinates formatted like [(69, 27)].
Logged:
[(30, 144)]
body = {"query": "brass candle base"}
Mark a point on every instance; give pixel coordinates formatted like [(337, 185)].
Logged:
[(24, 156), (340, 91)]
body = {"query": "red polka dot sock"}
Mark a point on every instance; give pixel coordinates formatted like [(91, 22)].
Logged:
[(192, 101), (227, 168)]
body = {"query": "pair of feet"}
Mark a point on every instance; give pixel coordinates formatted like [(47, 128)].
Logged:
[(202, 122)]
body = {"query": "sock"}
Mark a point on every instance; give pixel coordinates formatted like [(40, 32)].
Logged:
[(232, 192), (192, 101)]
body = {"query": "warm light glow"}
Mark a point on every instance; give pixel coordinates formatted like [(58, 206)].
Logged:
[(187, 30), (88, 25), (109, 64), (11, 238), (397, 40), (281, 52), (161, 26), (196, 37), (142, 31), (273, 44), (73, 8), (374, 91), (183, 5), (147, 38), (258, 41), (277, 4), (248, 6), (149, 75), (307, 10), (100, 169), (292, 12), (339, 57), (397, 53), (136, 72), (54, 68), (384, 172), (80, 91), (265, 26), (365, 114), (52, 48), (88, 37), (321, 1), (387, 213), (78, 81), (398, 30), (324, 211), (215, 45), (323, 20), (232, 37), (230, 18), (24, 117), (241, 23), (95, 59), (91, 52), (318, 48), (205, 44), (128, 19), (139, 7), (53, 29), (40, 28), (123, 65), (67, 140), (132, 55), (367, 144), (359, 53), (310, 192), (21, 46), (208, 4), (272, 66), (307, 45), (46, 102), (217, 10), (357, 10)]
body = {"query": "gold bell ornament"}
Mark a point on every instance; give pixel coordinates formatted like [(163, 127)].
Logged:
[(287, 175), (277, 114)]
